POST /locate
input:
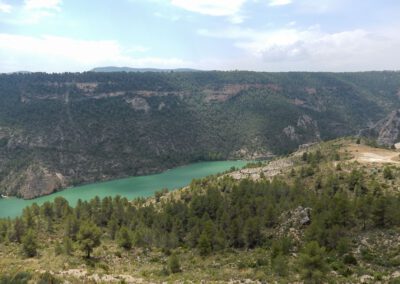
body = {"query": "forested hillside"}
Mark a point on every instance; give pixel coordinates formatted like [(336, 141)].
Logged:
[(58, 130), (327, 214)]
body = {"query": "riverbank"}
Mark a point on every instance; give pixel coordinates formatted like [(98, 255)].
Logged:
[(133, 187)]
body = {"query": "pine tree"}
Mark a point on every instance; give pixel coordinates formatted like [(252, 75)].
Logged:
[(27, 216), (112, 228), (47, 210), (124, 238), (312, 263), (379, 210), (71, 227), (61, 207), (363, 210), (67, 246), (18, 230), (204, 244), (252, 233), (29, 244), (89, 238)]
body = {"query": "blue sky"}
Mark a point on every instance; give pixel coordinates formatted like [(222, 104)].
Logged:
[(261, 35)]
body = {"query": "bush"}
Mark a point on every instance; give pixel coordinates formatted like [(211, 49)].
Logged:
[(19, 278), (67, 246), (350, 259), (312, 263), (124, 238), (58, 249), (47, 278), (281, 246), (387, 173), (280, 266), (173, 264), (29, 244)]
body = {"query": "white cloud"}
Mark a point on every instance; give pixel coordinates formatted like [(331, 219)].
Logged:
[(313, 49), (279, 2), (32, 12), (210, 7), (59, 54), (5, 8), (43, 4)]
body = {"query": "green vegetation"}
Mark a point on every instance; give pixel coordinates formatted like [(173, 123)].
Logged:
[(283, 228), (173, 264), (312, 263), (29, 244), (88, 238)]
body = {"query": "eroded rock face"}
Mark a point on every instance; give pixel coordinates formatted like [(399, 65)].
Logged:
[(290, 132), (138, 103), (298, 217), (386, 131), (293, 223), (306, 130), (35, 181)]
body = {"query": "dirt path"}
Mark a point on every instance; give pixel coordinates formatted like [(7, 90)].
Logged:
[(365, 154)]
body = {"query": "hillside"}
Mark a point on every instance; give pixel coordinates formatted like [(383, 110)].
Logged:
[(58, 130), (328, 213)]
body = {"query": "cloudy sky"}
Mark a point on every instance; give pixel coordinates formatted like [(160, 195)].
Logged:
[(261, 35)]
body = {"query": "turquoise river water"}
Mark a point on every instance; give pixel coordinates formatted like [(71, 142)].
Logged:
[(141, 186)]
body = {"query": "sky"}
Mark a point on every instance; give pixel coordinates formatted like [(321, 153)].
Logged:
[(259, 35)]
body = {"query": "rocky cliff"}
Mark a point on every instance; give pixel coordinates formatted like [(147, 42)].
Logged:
[(385, 131)]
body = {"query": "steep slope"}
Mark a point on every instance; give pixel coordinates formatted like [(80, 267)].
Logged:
[(87, 127), (386, 131)]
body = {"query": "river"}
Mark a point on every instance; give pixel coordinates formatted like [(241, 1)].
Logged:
[(132, 187)]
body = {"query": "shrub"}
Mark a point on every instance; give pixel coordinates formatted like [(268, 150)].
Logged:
[(20, 278), (173, 264), (29, 244), (350, 259), (47, 278)]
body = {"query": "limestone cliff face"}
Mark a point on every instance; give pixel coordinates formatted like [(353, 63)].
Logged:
[(386, 131), (306, 130), (32, 182)]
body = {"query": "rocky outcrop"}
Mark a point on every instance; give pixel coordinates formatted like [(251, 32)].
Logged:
[(290, 133), (293, 222), (138, 103), (35, 181), (272, 169), (386, 131), (306, 129)]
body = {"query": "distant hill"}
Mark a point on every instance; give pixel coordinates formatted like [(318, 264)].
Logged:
[(129, 69), (21, 72)]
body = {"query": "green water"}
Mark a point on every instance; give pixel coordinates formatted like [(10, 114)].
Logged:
[(130, 188)]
